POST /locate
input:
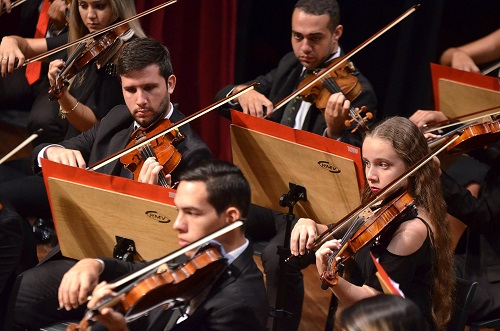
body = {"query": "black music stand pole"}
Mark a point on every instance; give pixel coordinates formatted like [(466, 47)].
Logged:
[(295, 194)]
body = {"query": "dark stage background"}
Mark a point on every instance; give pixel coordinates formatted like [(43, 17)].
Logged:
[(218, 42), (211, 48)]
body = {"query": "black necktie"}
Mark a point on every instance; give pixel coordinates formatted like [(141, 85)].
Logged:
[(293, 106)]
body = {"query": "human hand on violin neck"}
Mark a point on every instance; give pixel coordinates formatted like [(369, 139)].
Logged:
[(324, 253), (303, 235), (150, 171), (335, 114), (422, 118), (57, 13), (78, 282), (111, 319), (55, 68)]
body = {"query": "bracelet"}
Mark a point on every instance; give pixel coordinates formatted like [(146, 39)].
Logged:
[(63, 113)]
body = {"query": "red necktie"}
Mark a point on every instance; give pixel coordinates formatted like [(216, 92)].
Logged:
[(34, 69)]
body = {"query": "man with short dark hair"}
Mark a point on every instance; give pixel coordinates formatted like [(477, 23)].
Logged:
[(147, 82), (210, 196), (315, 35)]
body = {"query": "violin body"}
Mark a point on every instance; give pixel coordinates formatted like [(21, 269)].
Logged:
[(475, 136), (162, 148), (103, 47), (374, 226), (339, 80), (370, 229), (173, 286), (164, 288)]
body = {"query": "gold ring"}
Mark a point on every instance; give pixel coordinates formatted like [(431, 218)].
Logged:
[(4, 58)]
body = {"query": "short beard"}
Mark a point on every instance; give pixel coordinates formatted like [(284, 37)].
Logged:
[(162, 110)]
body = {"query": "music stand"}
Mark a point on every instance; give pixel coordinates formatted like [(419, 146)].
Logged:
[(271, 156), (458, 99), (319, 177), (458, 92), (97, 215)]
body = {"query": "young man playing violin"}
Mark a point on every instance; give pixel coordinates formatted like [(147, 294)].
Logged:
[(315, 35), (147, 82), (209, 196)]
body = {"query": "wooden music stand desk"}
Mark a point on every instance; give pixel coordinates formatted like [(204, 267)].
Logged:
[(271, 156), (91, 210), (458, 92), (457, 99)]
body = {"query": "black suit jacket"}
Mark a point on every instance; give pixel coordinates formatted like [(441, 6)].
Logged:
[(112, 134), (481, 261), (237, 300), (283, 80)]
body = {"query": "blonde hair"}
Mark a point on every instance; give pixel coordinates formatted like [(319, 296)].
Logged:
[(425, 187), (122, 9)]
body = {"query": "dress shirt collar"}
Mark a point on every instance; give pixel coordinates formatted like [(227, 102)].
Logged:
[(169, 113)]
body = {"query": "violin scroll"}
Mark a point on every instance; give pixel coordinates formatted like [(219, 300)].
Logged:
[(56, 92), (330, 277), (357, 117)]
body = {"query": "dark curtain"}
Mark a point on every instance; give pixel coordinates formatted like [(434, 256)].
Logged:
[(201, 38), (218, 42), (397, 63)]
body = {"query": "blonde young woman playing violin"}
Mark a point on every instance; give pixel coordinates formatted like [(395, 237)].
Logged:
[(93, 91), (417, 254)]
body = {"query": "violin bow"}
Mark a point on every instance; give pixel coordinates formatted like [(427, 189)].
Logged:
[(174, 126), (13, 5), (21, 145), (325, 236), (346, 57), (95, 33), (490, 68), (153, 266)]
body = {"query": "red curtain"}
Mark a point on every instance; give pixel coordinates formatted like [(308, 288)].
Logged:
[(201, 37)]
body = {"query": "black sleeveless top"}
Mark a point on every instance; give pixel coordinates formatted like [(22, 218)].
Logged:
[(413, 272)]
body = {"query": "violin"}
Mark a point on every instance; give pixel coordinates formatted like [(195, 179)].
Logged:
[(364, 231), (169, 288), (475, 136), (351, 222), (339, 79), (326, 73), (171, 128), (96, 33), (101, 50), (470, 137), (162, 148)]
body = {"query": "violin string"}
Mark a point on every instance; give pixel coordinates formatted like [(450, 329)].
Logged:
[(174, 126), (347, 56), (354, 226), (148, 151), (99, 32), (333, 87)]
